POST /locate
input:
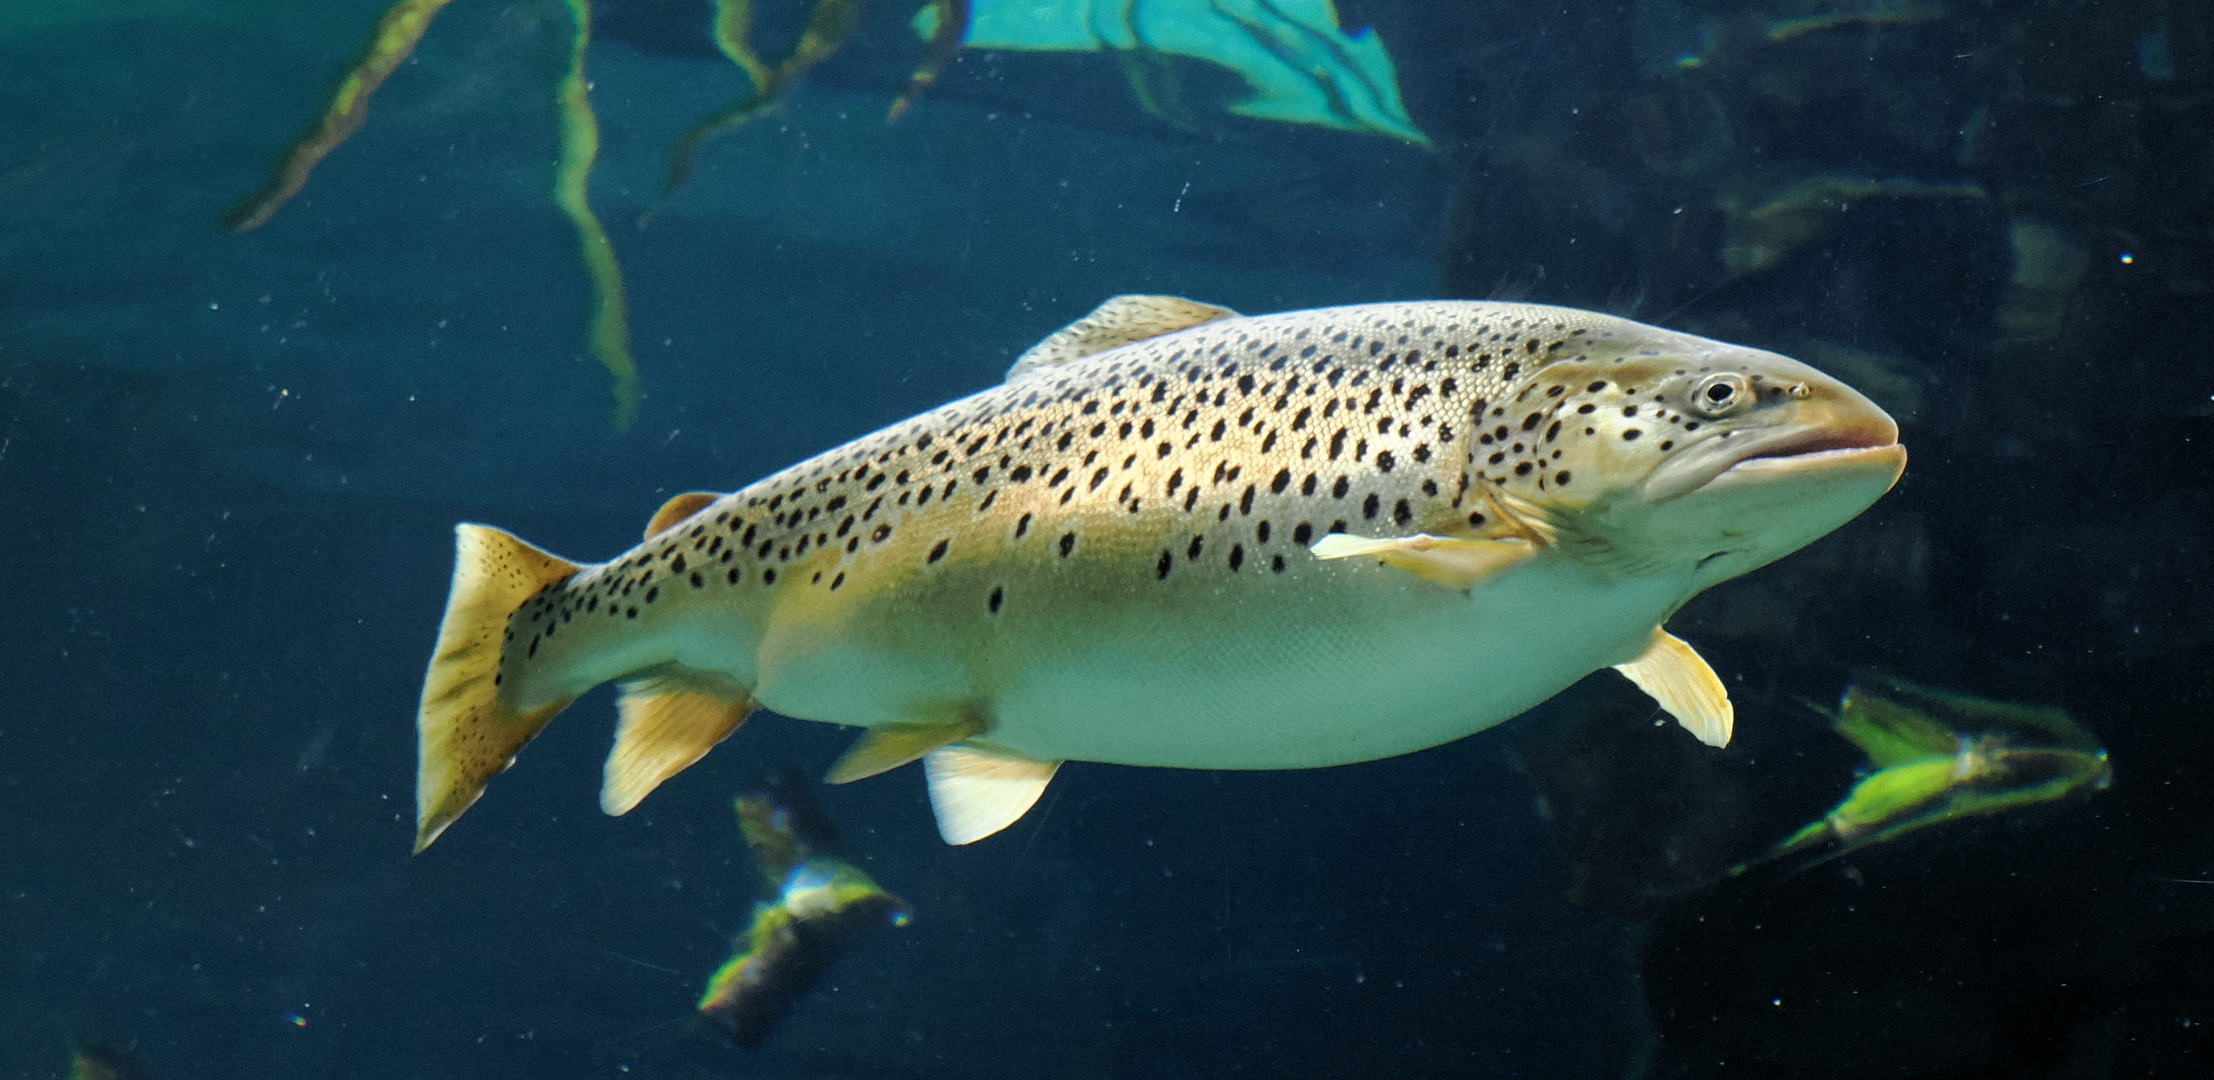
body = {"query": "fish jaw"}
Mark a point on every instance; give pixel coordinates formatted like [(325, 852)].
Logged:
[(1763, 508), (1765, 492)]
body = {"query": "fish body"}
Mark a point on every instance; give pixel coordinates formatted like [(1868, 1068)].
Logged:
[(1177, 536)]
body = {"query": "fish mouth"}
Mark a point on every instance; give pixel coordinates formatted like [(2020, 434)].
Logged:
[(1860, 443)]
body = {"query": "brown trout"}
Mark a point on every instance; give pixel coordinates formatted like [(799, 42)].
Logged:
[(1179, 536)]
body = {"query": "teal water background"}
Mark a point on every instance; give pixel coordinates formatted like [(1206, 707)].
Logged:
[(229, 466)]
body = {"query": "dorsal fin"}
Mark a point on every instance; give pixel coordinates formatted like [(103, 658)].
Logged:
[(1119, 321), (677, 509)]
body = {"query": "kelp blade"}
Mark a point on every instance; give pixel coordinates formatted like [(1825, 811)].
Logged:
[(394, 40), (580, 144)]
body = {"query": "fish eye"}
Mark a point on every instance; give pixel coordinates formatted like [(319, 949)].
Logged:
[(1721, 394)]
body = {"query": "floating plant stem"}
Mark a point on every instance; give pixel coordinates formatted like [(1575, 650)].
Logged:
[(580, 143), (402, 26), (949, 28)]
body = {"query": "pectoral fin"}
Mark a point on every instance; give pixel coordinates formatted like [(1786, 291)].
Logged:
[(888, 746), (665, 723), (1685, 686), (1455, 564), (975, 793)]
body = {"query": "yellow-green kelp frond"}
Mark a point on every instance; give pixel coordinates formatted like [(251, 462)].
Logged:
[(395, 38), (829, 24), (951, 25), (1939, 757), (580, 144), (734, 36)]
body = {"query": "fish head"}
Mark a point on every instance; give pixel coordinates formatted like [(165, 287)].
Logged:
[(1658, 452)]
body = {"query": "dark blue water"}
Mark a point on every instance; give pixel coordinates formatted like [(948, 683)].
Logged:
[(230, 465)]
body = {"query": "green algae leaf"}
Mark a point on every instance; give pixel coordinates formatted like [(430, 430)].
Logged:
[(1891, 733), (1300, 66), (1940, 756)]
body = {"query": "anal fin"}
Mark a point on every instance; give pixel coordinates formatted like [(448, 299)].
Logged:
[(885, 747), (1676, 677), (666, 721), (1453, 563), (975, 793)]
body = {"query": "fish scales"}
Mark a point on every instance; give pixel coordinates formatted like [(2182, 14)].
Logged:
[(1114, 556), (1174, 465)]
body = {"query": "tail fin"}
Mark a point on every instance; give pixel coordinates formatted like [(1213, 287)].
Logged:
[(465, 735)]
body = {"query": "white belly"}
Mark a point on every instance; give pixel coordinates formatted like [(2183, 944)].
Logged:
[(1382, 664)]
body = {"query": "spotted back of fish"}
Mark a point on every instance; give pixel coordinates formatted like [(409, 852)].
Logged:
[(1220, 450)]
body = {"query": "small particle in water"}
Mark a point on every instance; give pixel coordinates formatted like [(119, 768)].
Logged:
[(2128, 259), (295, 1019)]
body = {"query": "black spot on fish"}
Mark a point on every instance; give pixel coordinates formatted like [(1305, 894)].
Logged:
[(1302, 532), (1068, 544), (938, 551), (1237, 557), (1161, 567)]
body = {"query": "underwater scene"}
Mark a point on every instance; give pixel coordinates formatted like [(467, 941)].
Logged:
[(1106, 538)]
